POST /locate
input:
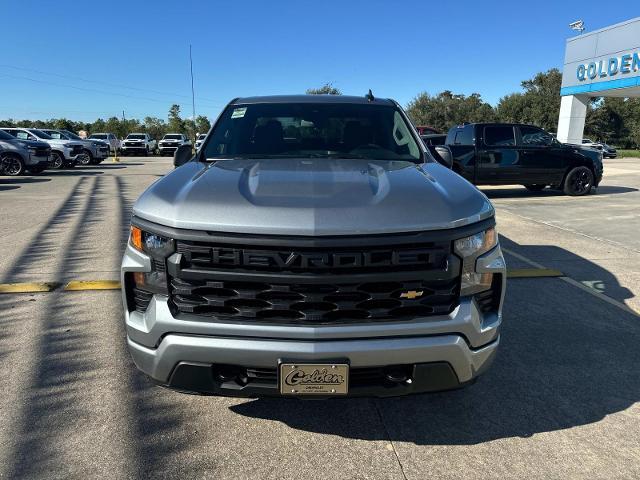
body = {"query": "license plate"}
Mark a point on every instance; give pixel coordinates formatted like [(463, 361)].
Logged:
[(314, 378)]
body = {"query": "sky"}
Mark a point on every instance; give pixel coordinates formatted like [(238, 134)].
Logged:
[(84, 60)]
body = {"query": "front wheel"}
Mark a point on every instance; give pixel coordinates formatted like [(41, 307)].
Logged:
[(11, 165), (535, 187), (578, 181), (57, 160), (85, 158)]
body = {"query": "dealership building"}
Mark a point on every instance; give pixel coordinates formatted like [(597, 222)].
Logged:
[(602, 63)]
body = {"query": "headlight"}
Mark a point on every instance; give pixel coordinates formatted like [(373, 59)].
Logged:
[(470, 248), (157, 247)]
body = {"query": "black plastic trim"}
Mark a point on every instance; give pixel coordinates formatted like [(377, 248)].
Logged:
[(426, 377)]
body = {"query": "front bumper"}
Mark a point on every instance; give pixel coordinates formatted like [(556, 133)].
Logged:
[(38, 161), (183, 352), (168, 148)]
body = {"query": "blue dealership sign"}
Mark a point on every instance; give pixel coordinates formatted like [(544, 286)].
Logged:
[(627, 63)]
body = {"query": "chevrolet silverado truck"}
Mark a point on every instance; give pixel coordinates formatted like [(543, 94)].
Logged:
[(170, 143), (138, 143), (17, 156), (64, 153), (312, 248), (95, 151), (515, 154)]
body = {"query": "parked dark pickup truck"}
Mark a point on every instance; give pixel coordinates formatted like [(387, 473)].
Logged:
[(508, 154)]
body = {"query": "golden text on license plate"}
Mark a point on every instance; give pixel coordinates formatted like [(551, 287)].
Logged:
[(314, 378)]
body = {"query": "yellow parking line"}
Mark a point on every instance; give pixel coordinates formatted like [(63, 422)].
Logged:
[(78, 285), (533, 273), (29, 287)]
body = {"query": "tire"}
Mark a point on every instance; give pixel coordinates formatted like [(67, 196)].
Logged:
[(11, 165), (578, 182), (86, 158), (57, 160), (146, 152), (535, 187)]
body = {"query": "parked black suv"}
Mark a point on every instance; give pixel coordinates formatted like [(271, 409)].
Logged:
[(508, 154)]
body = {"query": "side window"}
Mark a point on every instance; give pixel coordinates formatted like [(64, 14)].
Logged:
[(13, 133), (536, 137), (22, 135), (499, 136), (463, 137)]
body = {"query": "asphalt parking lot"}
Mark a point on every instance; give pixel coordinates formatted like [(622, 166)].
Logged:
[(561, 401)]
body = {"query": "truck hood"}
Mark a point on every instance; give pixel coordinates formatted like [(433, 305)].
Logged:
[(312, 197)]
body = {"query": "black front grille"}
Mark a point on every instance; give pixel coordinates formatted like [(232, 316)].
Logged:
[(314, 285), (314, 303), (42, 152)]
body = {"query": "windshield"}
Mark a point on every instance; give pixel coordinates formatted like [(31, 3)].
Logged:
[(71, 135), (99, 136), (136, 136), (173, 137), (40, 134), (202, 136), (316, 130), (6, 136)]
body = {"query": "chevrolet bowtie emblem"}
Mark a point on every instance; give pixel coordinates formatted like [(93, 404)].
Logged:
[(411, 294)]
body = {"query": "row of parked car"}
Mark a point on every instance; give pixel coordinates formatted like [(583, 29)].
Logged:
[(34, 150)]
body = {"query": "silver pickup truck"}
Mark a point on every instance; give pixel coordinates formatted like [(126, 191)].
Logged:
[(312, 248)]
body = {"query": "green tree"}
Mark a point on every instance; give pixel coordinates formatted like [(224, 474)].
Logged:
[(447, 109), (154, 126), (539, 104), (176, 124), (326, 89), (202, 124)]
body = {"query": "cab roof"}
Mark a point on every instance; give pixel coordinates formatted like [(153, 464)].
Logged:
[(311, 99)]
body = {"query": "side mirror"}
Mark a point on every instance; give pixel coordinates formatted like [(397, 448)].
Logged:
[(182, 155), (443, 155)]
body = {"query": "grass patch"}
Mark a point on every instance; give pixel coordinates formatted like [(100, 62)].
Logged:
[(629, 153)]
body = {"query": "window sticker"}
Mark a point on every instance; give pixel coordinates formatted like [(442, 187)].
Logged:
[(238, 112)]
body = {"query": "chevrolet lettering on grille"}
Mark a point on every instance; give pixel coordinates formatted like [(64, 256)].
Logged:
[(305, 260)]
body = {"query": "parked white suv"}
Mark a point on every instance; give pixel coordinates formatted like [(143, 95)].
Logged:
[(171, 141), (139, 143), (110, 138)]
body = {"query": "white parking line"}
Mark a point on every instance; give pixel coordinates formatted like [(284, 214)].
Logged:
[(577, 284)]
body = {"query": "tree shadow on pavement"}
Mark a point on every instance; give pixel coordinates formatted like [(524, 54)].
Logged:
[(566, 359), (15, 180), (521, 192)]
